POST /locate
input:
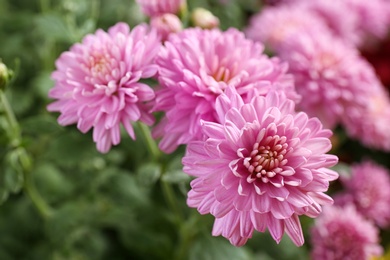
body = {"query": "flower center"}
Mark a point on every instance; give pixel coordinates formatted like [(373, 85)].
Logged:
[(266, 158), (222, 74), (99, 64)]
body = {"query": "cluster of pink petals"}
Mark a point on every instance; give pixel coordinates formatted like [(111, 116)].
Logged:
[(260, 168), (368, 189), (196, 66), (331, 77), (154, 8), (370, 123), (97, 82), (343, 234), (166, 24)]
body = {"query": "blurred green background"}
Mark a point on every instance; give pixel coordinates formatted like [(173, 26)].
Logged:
[(112, 206)]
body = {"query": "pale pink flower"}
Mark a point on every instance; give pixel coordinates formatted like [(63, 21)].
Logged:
[(370, 123), (158, 7), (260, 168), (273, 26), (195, 66), (166, 24), (367, 188), (343, 234), (330, 76), (97, 82)]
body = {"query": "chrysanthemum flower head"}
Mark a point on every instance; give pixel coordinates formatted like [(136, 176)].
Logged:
[(341, 233), (273, 26), (97, 82), (367, 188), (153, 8), (195, 66), (260, 168), (330, 75)]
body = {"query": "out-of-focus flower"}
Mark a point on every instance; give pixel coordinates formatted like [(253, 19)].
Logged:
[(368, 189), (260, 168), (5, 75), (195, 66), (343, 234), (166, 24), (273, 26), (203, 18), (331, 76), (97, 82), (370, 123), (153, 8)]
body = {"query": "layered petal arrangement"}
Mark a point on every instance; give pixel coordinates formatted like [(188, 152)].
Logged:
[(97, 82), (341, 233), (196, 66), (367, 189), (260, 168)]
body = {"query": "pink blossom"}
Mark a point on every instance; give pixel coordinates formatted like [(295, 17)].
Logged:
[(195, 66), (260, 168), (158, 7), (97, 82), (330, 76), (368, 189), (166, 24), (343, 234)]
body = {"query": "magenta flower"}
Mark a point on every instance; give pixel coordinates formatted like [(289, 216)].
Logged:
[(343, 234), (97, 82), (195, 66), (260, 168), (368, 189), (330, 76), (159, 7)]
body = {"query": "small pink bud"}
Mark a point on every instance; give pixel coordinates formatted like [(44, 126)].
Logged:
[(166, 24), (204, 19)]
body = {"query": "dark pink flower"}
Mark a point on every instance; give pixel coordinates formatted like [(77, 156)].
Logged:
[(97, 82), (260, 168), (196, 66), (343, 234)]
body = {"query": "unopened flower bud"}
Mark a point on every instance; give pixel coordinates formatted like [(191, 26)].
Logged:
[(204, 19), (5, 75), (166, 24)]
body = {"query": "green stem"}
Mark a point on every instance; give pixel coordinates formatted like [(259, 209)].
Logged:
[(24, 159), (172, 202), (150, 143), (45, 6)]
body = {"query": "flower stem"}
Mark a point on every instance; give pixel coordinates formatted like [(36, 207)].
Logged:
[(24, 159), (150, 143)]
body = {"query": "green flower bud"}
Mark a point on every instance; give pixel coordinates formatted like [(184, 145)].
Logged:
[(204, 19), (5, 75)]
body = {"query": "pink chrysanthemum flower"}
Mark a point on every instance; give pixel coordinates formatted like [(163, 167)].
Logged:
[(153, 8), (368, 189), (343, 234), (275, 25), (329, 75), (370, 123), (195, 66), (261, 167), (97, 82)]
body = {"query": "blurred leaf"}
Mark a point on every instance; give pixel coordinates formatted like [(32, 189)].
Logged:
[(40, 124), (148, 174), (53, 26)]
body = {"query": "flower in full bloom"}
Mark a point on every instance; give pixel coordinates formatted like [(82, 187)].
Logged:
[(341, 233), (368, 189), (330, 76), (260, 168), (97, 82), (153, 8), (195, 66), (275, 25)]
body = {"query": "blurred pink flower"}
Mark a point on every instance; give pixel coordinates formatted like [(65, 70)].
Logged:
[(330, 76), (370, 123), (368, 189), (343, 234), (261, 167), (158, 7), (195, 66), (97, 82), (273, 26)]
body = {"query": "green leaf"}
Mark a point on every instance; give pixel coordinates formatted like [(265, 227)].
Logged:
[(148, 174)]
